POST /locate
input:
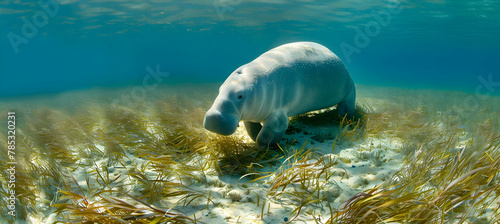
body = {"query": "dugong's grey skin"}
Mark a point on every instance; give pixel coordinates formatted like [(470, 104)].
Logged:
[(288, 80)]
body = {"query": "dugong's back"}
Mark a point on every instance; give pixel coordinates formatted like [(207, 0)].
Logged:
[(298, 52), (307, 75)]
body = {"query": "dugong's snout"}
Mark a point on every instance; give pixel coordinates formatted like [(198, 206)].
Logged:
[(224, 124)]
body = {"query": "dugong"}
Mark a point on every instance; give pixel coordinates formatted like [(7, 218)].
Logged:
[(288, 80)]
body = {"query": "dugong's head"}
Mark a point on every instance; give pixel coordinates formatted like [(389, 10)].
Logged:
[(227, 111)]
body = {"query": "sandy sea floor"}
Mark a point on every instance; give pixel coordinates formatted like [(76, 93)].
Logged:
[(124, 156)]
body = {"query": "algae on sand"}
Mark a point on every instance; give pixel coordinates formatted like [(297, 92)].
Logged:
[(141, 160)]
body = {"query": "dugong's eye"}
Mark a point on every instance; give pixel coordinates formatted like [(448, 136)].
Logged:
[(239, 95)]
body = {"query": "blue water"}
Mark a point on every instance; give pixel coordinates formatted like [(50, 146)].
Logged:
[(84, 44)]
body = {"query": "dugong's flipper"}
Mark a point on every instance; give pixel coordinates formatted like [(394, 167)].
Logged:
[(274, 128), (347, 106), (253, 129)]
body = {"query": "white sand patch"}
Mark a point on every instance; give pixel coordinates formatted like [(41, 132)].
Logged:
[(359, 166)]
